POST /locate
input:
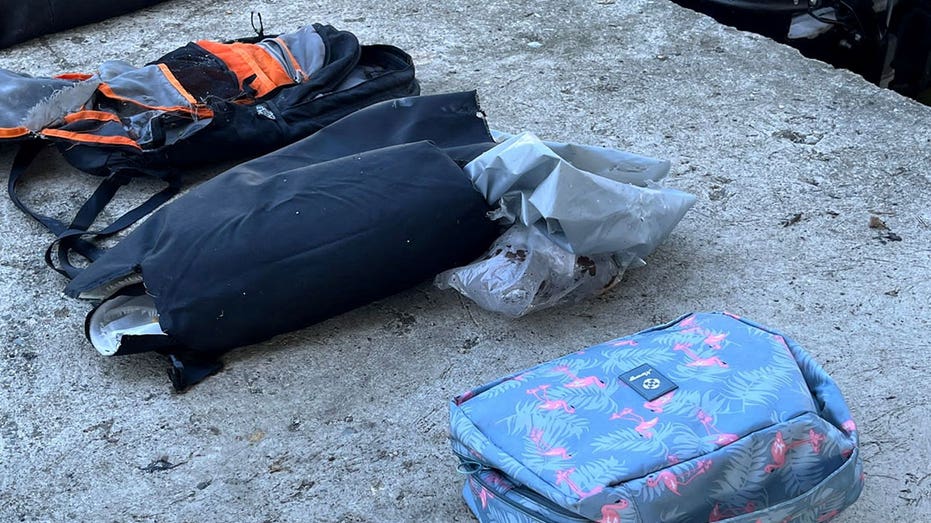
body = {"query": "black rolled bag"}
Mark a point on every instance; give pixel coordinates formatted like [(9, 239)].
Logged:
[(23, 20), (369, 206)]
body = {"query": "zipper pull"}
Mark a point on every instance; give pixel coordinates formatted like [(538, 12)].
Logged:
[(468, 467)]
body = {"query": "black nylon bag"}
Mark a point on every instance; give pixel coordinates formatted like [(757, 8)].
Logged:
[(359, 211), (27, 19)]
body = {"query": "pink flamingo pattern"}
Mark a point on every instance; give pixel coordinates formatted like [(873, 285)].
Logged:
[(696, 360), (611, 513), (577, 382), (464, 397), (849, 426), (717, 437), (714, 340), (548, 404), (779, 449), (484, 495), (564, 476), (659, 403), (672, 482), (718, 514), (545, 449), (572, 430), (643, 426)]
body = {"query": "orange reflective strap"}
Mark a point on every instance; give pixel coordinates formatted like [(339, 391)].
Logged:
[(197, 110), (297, 66), (176, 84), (91, 138), (100, 116), (79, 77), (246, 60), (13, 132), (232, 60)]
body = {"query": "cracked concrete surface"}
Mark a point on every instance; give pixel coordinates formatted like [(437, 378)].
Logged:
[(346, 420)]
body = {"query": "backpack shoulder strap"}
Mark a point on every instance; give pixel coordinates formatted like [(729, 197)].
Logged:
[(76, 237), (25, 155)]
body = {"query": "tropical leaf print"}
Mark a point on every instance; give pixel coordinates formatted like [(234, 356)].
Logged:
[(505, 387), (685, 443), (622, 359), (469, 438), (742, 479), (828, 500), (521, 421), (712, 402), (556, 423), (594, 399), (803, 470), (756, 387), (682, 372), (675, 514), (591, 359), (683, 402), (627, 440), (599, 472), (667, 339), (509, 465), (781, 355)]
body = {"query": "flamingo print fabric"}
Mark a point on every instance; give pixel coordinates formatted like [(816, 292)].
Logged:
[(756, 431)]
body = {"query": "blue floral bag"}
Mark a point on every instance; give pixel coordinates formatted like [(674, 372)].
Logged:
[(708, 418)]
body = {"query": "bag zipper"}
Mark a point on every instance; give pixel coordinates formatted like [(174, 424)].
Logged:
[(475, 468), (282, 55)]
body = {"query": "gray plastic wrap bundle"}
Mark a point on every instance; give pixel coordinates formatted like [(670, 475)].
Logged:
[(581, 215)]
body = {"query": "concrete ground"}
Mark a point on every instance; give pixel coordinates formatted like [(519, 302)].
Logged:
[(346, 421)]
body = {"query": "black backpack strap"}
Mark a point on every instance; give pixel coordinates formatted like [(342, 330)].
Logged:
[(75, 237), (186, 371), (24, 157)]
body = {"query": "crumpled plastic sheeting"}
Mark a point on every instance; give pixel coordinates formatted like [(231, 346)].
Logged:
[(589, 207), (525, 271), (590, 200)]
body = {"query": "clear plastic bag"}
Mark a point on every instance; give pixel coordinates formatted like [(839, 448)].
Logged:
[(524, 271), (581, 215)]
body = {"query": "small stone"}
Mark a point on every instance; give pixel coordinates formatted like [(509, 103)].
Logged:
[(877, 223), (534, 44)]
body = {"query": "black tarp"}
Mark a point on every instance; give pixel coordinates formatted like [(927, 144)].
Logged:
[(21, 20), (370, 205)]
